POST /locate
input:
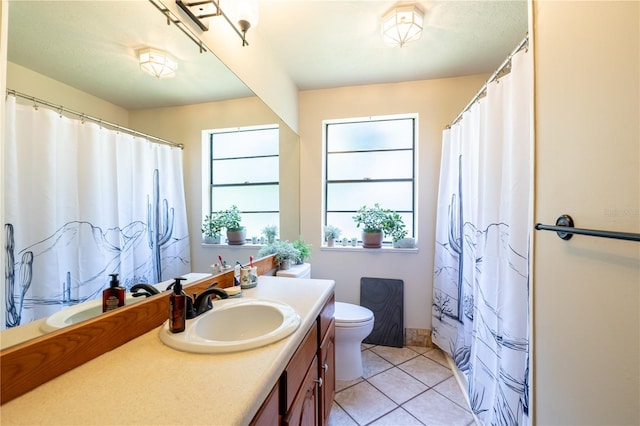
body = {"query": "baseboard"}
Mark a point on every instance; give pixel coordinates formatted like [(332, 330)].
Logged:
[(418, 337)]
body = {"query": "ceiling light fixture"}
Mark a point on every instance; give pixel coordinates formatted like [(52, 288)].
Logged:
[(402, 24), (157, 63), (242, 12)]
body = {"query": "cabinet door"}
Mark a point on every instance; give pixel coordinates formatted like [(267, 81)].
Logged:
[(327, 373), (268, 414), (304, 409)]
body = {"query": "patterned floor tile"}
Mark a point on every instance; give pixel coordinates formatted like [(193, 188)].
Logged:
[(438, 356), (338, 417), (426, 370), (364, 403), (397, 385), (394, 355), (373, 364), (397, 417), (433, 409), (451, 390), (420, 381), (343, 384)]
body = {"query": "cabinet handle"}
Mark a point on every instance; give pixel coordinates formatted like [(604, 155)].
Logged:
[(319, 381), (325, 367)]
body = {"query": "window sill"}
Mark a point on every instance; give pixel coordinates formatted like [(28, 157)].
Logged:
[(225, 245), (385, 249)]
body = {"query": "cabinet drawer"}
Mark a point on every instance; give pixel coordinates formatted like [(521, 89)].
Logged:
[(326, 316), (296, 370)]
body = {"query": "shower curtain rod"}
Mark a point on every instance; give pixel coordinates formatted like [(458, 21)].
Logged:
[(99, 121), (502, 69)]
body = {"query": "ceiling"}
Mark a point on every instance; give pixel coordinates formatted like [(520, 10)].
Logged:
[(320, 43)]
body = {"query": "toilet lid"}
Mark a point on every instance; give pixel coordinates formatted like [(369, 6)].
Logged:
[(349, 313)]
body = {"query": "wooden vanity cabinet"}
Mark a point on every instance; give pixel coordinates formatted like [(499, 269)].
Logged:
[(327, 373), (269, 413), (306, 388)]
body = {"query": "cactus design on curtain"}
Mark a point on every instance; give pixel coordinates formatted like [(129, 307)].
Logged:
[(156, 218), (83, 202), (480, 305)]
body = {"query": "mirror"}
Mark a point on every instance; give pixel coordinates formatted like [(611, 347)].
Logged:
[(91, 46)]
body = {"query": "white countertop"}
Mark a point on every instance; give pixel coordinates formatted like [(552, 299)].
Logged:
[(144, 382)]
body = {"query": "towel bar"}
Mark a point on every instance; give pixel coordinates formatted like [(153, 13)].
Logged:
[(565, 230)]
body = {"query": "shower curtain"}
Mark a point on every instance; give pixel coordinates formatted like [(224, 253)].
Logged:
[(481, 277), (83, 202)]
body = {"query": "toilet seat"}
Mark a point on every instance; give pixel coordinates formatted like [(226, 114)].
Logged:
[(350, 315)]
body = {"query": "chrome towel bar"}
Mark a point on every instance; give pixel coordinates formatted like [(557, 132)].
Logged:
[(565, 230)]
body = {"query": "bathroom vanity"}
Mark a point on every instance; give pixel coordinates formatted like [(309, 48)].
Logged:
[(146, 382)]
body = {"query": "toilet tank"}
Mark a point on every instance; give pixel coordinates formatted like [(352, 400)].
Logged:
[(296, 271)]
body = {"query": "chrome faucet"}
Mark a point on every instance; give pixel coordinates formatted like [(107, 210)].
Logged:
[(203, 303), (143, 289)]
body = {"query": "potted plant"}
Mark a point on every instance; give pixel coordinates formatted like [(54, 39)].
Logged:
[(303, 248), (212, 229), (373, 221), (331, 234), (395, 228), (230, 219), (378, 222), (283, 251), (270, 233)]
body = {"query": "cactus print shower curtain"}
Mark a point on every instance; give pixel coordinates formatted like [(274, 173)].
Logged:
[(83, 202), (484, 219)]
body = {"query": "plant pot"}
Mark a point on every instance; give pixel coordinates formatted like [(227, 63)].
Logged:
[(372, 239), (405, 243), (212, 240), (236, 237), (285, 264), (330, 242)]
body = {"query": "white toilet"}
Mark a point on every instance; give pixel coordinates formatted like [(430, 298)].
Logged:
[(353, 324)]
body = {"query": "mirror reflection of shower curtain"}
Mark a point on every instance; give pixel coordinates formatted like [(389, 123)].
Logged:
[(484, 218), (83, 202)]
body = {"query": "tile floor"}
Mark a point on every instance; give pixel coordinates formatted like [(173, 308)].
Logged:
[(401, 387)]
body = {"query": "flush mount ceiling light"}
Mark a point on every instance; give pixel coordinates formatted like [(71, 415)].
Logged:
[(243, 12), (402, 24), (157, 63)]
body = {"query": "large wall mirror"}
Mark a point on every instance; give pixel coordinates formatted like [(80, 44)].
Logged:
[(82, 55)]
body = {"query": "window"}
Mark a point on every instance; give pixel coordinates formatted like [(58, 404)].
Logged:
[(368, 161), (244, 170)]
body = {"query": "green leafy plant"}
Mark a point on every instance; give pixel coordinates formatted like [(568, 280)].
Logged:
[(372, 219), (331, 232), (282, 250), (211, 226), (395, 227), (303, 248), (230, 219), (377, 219), (270, 232)]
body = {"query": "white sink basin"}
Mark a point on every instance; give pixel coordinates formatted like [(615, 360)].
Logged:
[(234, 325), (78, 313)]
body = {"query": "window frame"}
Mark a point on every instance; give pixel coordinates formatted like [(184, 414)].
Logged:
[(207, 170), (413, 179)]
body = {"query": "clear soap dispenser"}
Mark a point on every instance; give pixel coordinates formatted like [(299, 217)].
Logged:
[(177, 308), (113, 297)]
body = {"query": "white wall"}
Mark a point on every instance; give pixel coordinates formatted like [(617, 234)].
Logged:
[(34, 84), (587, 290), (437, 102)]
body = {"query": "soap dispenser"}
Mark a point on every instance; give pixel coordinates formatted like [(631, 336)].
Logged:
[(113, 297), (177, 308)]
